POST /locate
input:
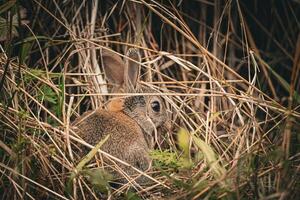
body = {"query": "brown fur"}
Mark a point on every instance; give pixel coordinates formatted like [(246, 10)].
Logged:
[(126, 139), (130, 122)]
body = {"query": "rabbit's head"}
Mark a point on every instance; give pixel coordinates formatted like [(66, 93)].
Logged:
[(149, 111)]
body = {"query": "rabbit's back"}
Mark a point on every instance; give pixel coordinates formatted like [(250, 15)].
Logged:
[(123, 130), (126, 140)]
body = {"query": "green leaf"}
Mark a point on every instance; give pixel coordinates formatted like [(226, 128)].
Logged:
[(91, 154), (47, 94), (31, 39), (82, 163), (33, 74), (99, 178), (169, 160), (25, 50), (183, 140), (164, 159), (132, 196), (211, 159)]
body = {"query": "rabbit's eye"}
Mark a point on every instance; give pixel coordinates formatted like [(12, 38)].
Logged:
[(155, 105)]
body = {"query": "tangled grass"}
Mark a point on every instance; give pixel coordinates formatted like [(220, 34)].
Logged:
[(231, 87)]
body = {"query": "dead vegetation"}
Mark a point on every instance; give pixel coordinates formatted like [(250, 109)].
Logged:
[(230, 77)]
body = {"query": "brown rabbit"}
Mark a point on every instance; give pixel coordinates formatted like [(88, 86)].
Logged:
[(129, 121)]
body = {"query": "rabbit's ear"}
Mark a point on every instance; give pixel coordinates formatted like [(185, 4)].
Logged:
[(114, 67), (132, 68)]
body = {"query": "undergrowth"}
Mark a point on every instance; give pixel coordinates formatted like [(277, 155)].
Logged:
[(228, 71)]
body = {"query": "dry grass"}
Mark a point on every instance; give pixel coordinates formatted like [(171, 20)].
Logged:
[(235, 118)]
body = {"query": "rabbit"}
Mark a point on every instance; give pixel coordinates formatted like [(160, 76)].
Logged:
[(129, 121)]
